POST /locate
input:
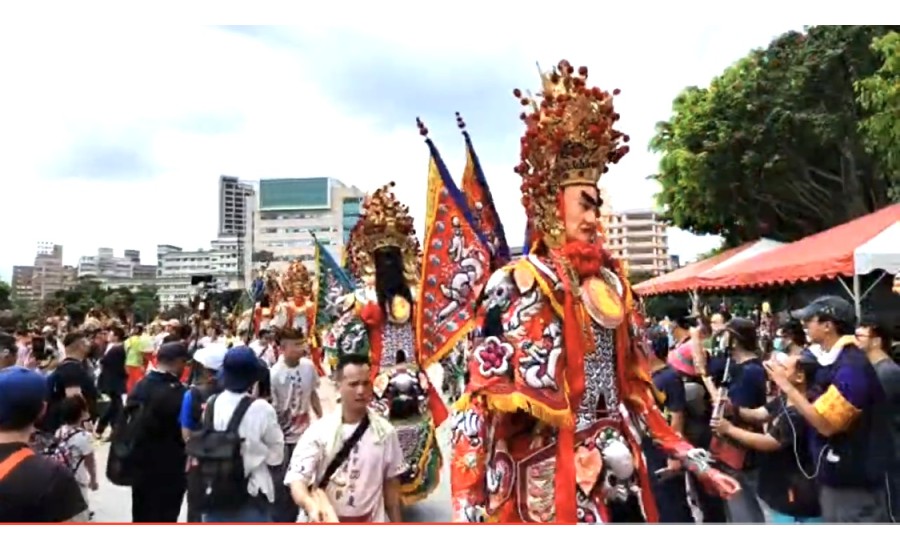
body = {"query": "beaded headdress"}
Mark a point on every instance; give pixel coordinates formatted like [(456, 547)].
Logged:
[(296, 281), (569, 140), (385, 222)]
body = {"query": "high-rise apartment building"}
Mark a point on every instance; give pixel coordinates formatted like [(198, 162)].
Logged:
[(234, 214), (46, 276), (237, 213), (292, 210), (639, 238)]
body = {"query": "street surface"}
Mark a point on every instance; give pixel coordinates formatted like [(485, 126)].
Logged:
[(113, 504)]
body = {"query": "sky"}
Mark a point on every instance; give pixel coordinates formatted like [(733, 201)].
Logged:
[(115, 135)]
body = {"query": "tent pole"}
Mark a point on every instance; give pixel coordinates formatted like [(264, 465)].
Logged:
[(857, 299)]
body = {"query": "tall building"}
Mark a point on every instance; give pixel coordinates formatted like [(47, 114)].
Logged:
[(291, 210), (237, 212), (234, 215), (22, 276), (46, 276), (176, 267), (114, 272), (639, 238)]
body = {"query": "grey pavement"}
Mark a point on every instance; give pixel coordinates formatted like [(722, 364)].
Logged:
[(113, 504)]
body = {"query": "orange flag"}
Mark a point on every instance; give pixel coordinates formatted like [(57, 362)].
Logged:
[(455, 265)]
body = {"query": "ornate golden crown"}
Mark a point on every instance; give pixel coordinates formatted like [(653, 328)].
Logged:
[(569, 140), (296, 281), (384, 222)]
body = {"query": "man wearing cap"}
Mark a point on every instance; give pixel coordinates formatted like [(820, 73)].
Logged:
[(32, 488), (848, 417), (159, 459), (263, 441)]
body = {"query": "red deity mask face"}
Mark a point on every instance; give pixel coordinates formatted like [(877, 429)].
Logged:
[(580, 205)]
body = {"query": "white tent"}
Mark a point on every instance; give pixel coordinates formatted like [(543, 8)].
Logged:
[(880, 252)]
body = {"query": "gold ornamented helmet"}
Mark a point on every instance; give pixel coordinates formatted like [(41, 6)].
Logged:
[(569, 140), (385, 222), (296, 281)]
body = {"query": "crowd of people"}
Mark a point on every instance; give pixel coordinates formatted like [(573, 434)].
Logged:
[(154, 396), (807, 414), (573, 410)]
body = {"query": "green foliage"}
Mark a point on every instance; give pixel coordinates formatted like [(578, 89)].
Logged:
[(879, 96), (88, 294), (772, 147), (5, 292)]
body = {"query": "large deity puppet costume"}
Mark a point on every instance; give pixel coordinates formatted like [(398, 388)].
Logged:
[(378, 321), (549, 428)]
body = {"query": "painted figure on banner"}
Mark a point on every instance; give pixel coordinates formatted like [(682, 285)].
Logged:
[(559, 396), (456, 268), (377, 320)]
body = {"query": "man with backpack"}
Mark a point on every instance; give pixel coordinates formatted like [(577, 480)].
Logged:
[(32, 488), (147, 450), (238, 440)]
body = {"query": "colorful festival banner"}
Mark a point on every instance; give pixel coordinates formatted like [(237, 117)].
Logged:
[(455, 265), (481, 203), (333, 283)]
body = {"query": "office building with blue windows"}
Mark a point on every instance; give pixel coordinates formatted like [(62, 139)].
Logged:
[(292, 210)]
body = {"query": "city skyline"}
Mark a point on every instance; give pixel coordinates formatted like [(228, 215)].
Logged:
[(159, 153)]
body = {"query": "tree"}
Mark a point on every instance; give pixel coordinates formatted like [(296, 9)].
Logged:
[(141, 305), (772, 147), (879, 96), (5, 292)]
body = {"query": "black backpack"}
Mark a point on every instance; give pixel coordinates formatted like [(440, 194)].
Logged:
[(123, 465), (216, 466)]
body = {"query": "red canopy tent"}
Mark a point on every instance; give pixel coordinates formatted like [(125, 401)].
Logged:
[(680, 279), (825, 255)]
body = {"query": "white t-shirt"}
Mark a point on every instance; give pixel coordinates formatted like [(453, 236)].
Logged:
[(80, 445), (357, 488), (292, 389), (263, 444)]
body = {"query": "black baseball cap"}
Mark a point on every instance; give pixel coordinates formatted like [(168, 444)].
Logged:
[(827, 308), (172, 351)]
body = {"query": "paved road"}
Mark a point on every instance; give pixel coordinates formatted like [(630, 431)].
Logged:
[(113, 504)]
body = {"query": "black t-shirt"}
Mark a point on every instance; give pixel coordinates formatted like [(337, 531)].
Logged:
[(38, 490), (781, 483)]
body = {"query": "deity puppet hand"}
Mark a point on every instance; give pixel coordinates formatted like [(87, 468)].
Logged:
[(713, 480)]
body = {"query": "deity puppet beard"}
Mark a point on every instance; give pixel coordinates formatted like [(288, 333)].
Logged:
[(586, 258), (390, 280)]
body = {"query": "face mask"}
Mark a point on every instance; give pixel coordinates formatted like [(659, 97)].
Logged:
[(778, 344), (671, 338)]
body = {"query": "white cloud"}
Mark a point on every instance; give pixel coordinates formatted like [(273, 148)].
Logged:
[(201, 102)]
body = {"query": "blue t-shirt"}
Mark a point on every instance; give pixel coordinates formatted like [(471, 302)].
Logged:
[(186, 418), (669, 383)]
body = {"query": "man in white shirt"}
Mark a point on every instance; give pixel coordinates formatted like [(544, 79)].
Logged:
[(264, 347), (263, 440), (294, 383), (347, 465)]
